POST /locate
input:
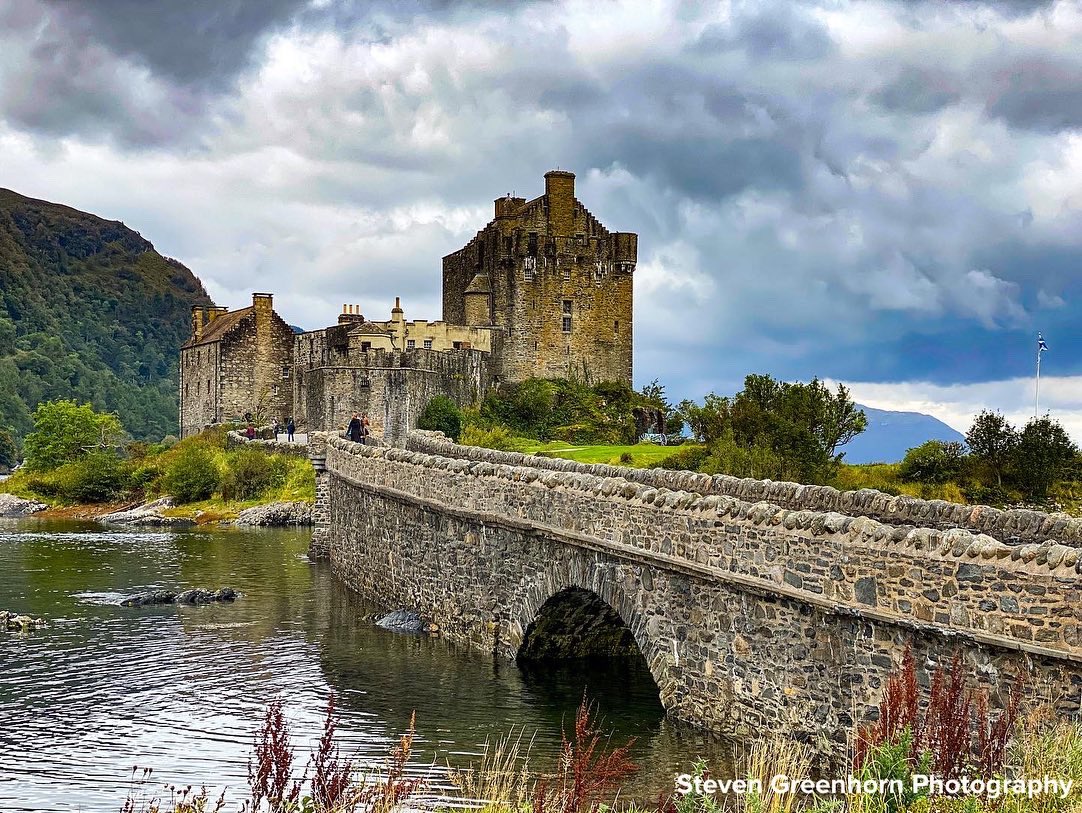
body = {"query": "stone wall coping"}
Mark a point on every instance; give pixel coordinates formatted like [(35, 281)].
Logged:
[(1016, 526), (1048, 557), (753, 584)]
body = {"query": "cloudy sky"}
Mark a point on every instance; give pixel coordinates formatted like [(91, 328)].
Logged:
[(883, 193)]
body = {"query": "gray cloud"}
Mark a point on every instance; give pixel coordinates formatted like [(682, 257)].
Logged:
[(821, 199)]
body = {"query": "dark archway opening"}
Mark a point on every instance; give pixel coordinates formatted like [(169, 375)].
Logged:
[(576, 624)]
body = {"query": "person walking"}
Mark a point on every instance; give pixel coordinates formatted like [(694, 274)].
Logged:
[(355, 430), (290, 429), (365, 429), (276, 427)]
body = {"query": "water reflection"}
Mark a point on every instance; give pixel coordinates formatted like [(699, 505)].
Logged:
[(182, 689)]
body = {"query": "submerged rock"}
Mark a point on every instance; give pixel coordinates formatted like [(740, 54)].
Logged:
[(403, 621), (277, 514), (196, 596), (15, 622), (147, 515), (12, 506)]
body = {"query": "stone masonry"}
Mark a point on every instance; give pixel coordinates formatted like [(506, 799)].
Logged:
[(751, 616), (555, 280)]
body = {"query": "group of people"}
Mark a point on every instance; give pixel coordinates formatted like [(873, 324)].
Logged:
[(358, 429), (290, 428)]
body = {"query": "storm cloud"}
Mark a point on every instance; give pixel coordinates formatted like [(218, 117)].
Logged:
[(877, 191)]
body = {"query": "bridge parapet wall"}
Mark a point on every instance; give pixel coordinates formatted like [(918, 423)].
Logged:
[(1016, 526), (950, 582)]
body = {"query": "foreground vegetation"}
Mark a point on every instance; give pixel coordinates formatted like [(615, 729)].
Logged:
[(952, 736), (76, 455)]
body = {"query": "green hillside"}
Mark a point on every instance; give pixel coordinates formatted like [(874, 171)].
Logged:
[(88, 310)]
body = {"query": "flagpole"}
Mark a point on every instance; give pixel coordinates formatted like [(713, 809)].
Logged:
[(1037, 394)]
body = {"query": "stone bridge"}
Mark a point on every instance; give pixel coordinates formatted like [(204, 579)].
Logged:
[(757, 606)]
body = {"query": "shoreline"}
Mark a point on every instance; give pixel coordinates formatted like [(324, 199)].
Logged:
[(206, 514)]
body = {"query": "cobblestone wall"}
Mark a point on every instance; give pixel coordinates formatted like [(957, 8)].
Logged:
[(750, 615), (1014, 526)]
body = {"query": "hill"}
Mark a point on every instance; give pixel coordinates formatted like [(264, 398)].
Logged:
[(88, 310), (890, 434)]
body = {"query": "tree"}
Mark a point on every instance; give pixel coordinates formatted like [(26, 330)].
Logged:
[(1045, 454), (992, 440), (9, 454), (441, 414), (65, 431), (935, 462)]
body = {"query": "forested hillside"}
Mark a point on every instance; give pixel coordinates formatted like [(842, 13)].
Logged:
[(89, 311)]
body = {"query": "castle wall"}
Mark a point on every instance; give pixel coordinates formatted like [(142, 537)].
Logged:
[(199, 387), (391, 387)]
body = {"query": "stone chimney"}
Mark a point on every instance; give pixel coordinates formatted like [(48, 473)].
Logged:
[(560, 193), (199, 317)]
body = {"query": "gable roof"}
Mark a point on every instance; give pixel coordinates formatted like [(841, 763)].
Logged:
[(220, 326)]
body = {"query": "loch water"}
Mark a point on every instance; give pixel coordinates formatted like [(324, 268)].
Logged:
[(182, 690)]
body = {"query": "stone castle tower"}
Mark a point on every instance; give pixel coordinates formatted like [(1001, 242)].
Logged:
[(554, 280)]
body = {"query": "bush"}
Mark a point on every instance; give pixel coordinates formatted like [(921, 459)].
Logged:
[(9, 455), (441, 414), (97, 477), (687, 459), (250, 472), (192, 474), (498, 437), (933, 462)]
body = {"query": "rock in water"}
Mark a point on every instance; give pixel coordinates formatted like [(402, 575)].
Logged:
[(12, 506), (403, 621), (277, 514), (148, 515), (194, 596), (14, 622)]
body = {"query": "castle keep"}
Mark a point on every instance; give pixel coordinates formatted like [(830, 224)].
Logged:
[(544, 290)]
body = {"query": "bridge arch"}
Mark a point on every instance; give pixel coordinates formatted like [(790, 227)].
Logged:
[(596, 616)]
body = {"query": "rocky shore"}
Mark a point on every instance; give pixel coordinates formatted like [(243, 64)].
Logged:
[(15, 507), (276, 514)]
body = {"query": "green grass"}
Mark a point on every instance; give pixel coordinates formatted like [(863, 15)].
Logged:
[(642, 454)]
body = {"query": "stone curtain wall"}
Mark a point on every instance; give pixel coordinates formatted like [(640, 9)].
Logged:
[(749, 615), (1014, 526)]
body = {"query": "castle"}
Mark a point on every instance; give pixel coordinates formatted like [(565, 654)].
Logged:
[(544, 290)]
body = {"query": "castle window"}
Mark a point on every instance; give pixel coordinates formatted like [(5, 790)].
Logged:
[(528, 267), (567, 307), (567, 324), (410, 344), (531, 244), (274, 389), (428, 344), (366, 346), (285, 371), (616, 326), (456, 345), (208, 386), (567, 272)]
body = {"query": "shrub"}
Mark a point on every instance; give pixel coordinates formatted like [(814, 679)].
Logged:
[(441, 414), (498, 437), (250, 472), (97, 477), (9, 455), (935, 461), (689, 458), (192, 474)]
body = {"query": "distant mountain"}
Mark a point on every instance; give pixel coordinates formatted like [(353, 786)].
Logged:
[(89, 310), (890, 434)]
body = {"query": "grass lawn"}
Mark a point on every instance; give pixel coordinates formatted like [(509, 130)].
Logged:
[(642, 454)]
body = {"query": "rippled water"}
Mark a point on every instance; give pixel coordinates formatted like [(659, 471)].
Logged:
[(182, 689)]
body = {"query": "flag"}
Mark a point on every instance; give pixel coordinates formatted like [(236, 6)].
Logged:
[(1041, 346)]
